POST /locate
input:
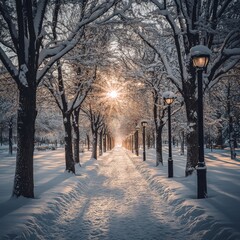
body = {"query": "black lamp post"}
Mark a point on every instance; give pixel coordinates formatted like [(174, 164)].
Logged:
[(168, 98), (200, 56), (144, 124), (136, 140)]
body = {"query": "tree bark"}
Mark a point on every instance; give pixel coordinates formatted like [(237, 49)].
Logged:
[(158, 122), (10, 136), (219, 139), (88, 142), (101, 143), (191, 134), (76, 137), (23, 181), (159, 158), (94, 145), (153, 141), (148, 141), (231, 138), (182, 142), (192, 152), (110, 143), (104, 143), (70, 167)]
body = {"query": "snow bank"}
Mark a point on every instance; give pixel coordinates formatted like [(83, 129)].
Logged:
[(29, 219), (49, 206), (193, 213)]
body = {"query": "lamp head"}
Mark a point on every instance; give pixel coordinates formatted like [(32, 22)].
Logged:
[(144, 123), (168, 97), (200, 56)]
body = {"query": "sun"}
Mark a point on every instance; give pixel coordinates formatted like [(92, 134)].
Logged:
[(113, 94)]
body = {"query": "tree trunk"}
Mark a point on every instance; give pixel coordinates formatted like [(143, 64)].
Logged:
[(219, 140), (148, 141), (231, 138), (230, 124), (110, 143), (10, 137), (158, 122), (191, 135), (101, 143), (88, 142), (153, 142), (182, 142), (68, 144), (95, 142), (23, 181), (192, 152), (76, 137), (136, 143), (107, 141), (159, 158), (104, 143)]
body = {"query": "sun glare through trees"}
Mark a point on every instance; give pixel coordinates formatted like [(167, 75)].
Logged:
[(113, 94)]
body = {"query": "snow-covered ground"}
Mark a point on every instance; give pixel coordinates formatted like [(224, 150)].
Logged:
[(121, 197)]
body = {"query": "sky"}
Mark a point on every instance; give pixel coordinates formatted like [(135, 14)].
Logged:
[(119, 196)]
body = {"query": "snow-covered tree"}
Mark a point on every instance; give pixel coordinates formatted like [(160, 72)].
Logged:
[(172, 28), (143, 65), (69, 100), (96, 119), (28, 49), (49, 121), (223, 110), (8, 108)]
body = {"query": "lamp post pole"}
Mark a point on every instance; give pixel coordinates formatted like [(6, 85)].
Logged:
[(144, 124), (200, 55), (170, 160), (144, 147), (201, 167), (168, 98)]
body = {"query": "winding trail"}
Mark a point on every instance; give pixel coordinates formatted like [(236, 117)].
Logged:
[(119, 204)]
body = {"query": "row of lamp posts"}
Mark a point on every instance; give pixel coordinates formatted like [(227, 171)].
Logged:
[(131, 142), (200, 57), (168, 98)]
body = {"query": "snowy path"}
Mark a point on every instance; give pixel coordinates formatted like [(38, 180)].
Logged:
[(117, 205), (109, 199)]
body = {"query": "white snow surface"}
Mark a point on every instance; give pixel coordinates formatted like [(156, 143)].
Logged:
[(119, 196)]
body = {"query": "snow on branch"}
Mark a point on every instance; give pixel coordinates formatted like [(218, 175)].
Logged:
[(81, 94), (66, 47), (95, 14), (38, 19), (11, 26), (8, 64), (62, 48), (116, 12), (22, 75), (231, 52), (163, 58)]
